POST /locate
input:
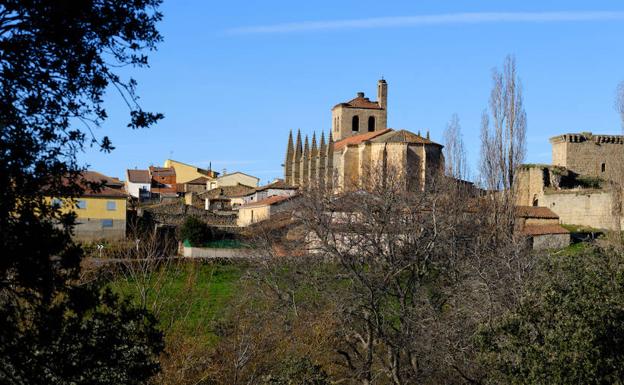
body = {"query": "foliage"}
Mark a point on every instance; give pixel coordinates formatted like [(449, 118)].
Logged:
[(298, 372), (57, 58), (569, 327), (589, 182), (195, 231), (86, 337)]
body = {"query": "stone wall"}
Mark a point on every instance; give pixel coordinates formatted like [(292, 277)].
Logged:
[(592, 208), (589, 155), (88, 230), (176, 213), (208, 252), (550, 241)]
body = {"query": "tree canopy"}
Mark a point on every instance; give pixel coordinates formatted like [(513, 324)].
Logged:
[(57, 60)]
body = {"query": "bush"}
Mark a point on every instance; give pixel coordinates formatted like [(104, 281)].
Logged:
[(569, 328), (195, 231)]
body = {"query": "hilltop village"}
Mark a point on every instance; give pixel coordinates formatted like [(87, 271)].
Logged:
[(574, 192)]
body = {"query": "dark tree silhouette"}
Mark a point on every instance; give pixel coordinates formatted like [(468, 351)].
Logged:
[(57, 58)]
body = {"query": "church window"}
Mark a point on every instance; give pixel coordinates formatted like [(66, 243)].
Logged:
[(603, 167), (371, 123), (355, 124)]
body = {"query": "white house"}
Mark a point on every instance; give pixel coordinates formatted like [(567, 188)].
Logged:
[(277, 188), (138, 183)]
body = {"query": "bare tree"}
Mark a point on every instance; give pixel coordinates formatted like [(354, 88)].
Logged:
[(454, 150), (403, 253), (503, 134)]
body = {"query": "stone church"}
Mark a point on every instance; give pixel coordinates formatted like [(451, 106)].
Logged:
[(360, 148)]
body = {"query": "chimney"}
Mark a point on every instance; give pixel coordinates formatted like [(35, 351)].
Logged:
[(382, 93), (360, 94), (224, 172)]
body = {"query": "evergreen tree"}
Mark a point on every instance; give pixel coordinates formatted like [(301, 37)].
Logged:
[(57, 58)]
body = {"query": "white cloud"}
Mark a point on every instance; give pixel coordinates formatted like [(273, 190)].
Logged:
[(424, 20)]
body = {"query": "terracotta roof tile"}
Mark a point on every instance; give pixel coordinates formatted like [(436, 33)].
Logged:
[(278, 184), (200, 180), (534, 230), (360, 102), (402, 136), (162, 171), (535, 212), (228, 191), (357, 139), (139, 176), (108, 186), (272, 200)]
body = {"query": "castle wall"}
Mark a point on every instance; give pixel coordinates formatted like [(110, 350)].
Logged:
[(529, 185), (588, 155), (585, 208)]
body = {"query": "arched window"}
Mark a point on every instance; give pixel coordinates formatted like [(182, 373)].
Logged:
[(371, 123), (355, 124)]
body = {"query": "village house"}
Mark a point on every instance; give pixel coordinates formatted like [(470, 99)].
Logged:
[(262, 210), (276, 188), (228, 196), (233, 179), (164, 183), (186, 172), (139, 184), (541, 226), (100, 212)]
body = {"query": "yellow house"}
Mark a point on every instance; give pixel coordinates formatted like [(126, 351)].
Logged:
[(186, 172), (100, 214), (262, 210)]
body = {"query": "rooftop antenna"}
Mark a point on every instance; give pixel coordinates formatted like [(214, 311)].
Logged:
[(171, 154)]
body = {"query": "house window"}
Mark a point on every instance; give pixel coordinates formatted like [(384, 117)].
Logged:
[(603, 167), (111, 205), (371, 123), (81, 204), (355, 124), (252, 216), (107, 223)]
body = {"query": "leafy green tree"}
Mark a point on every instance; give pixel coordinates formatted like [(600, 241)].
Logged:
[(569, 328), (57, 58), (195, 231)]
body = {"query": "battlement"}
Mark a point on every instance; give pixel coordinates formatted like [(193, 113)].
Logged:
[(587, 137)]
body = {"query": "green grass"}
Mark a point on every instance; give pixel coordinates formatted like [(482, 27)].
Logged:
[(189, 297), (574, 249)]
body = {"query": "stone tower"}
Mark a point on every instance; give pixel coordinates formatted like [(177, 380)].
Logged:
[(361, 115)]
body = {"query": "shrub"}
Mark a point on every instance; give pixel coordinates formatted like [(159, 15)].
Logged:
[(195, 231)]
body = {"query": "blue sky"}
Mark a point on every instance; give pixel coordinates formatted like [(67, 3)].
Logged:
[(232, 78)]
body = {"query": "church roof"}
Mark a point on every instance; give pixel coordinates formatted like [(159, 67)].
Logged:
[(384, 136), (360, 102), (357, 139), (402, 136)]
